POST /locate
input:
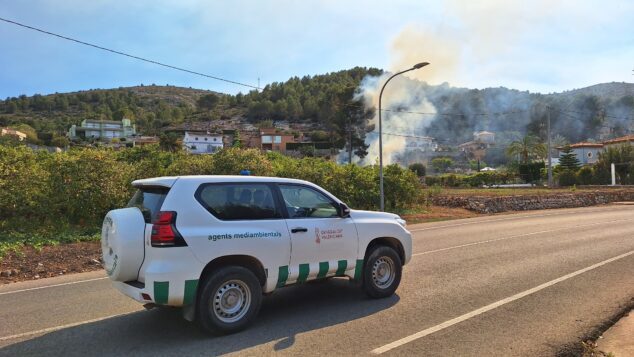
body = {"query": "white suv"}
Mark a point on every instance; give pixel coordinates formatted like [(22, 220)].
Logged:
[(215, 244)]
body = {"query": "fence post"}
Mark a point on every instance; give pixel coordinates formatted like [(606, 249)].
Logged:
[(613, 170)]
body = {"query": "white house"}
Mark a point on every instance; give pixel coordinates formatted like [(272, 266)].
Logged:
[(103, 129), (422, 143), (197, 142)]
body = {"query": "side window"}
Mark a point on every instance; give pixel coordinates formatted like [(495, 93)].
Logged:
[(238, 202), (304, 202)]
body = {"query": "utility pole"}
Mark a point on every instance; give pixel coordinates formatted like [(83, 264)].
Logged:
[(381, 192), (550, 160), (350, 152)]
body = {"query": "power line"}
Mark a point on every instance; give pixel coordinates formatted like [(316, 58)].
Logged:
[(128, 55)]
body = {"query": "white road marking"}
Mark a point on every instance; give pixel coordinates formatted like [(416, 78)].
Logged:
[(61, 327), (52, 286), (512, 218), (516, 236), (444, 325)]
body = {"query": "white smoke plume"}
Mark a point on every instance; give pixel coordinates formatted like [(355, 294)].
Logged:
[(403, 95), (480, 30)]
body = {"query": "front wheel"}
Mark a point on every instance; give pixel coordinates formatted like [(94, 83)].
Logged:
[(382, 272), (229, 300)]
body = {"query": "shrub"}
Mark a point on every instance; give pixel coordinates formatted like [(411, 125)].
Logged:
[(567, 178), (585, 175)]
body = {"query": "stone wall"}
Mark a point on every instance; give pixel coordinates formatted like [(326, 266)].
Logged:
[(495, 204)]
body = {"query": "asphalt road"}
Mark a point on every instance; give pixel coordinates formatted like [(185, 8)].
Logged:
[(514, 285)]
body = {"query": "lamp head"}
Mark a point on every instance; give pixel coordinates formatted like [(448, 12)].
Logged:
[(420, 65)]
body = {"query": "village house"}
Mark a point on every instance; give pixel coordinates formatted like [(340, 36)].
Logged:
[(105, 130), (628, 139), (271, 139), (586, 153), (202, 142)]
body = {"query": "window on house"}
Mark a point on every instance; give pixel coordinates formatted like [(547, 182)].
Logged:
[(266, 139), (278, 139)]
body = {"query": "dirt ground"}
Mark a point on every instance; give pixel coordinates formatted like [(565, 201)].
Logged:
[(51, 261), (439, 213)]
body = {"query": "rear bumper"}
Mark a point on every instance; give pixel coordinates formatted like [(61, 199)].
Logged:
[(170, 292)]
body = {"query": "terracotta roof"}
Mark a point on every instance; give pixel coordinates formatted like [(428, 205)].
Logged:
[(583, 145), (622, 139)]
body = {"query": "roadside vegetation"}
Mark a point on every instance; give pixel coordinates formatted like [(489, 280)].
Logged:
[(57, 198)]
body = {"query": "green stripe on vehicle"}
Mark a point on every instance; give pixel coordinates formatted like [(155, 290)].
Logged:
[(190, 291), (358, 269), (161, 291), (323, 270), (341, 267), (282, 276), (304, 269)]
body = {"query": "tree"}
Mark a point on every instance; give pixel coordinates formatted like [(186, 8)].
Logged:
[(208, 101), (11, 107), (568, 159), (60, 141), (169, 142), (237, 143), (527, 148), (441, 164), (418, 168)]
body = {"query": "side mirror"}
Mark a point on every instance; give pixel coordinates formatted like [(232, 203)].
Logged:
[(344, 210)]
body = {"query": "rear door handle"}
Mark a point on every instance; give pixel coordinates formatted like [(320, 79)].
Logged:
[(299, 229)]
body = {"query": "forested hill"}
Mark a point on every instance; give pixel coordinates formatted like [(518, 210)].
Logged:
[(596, 112)]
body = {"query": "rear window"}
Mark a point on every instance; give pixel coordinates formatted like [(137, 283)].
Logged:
[(238, 201), (149, 201)]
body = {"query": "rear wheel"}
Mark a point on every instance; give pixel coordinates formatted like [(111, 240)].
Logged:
[(382, 272), (229, 300)]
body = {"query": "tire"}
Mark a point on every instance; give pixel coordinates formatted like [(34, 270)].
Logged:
[(382, 272), (229, 300)]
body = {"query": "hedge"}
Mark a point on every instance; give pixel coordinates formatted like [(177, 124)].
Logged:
[(79, 186)]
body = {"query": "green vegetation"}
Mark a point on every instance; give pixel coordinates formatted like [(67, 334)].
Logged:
[(527, 149), (568, 160), (419, 169), (442, 164), (47, 198), (479, 179)]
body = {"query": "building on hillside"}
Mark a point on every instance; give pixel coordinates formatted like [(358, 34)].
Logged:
[(271, 139), (628, 139), (10, 132), (477, 148), (105, 130), (586, 153), (196, 142), (420, 143), (485, 137)]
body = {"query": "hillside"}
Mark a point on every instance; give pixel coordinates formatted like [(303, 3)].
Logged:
[(326, 102), (609, 91)]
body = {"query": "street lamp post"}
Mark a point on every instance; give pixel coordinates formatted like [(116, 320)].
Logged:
[(416, 66)]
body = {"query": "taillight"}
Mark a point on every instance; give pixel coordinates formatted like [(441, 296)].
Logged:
[(164, 232)]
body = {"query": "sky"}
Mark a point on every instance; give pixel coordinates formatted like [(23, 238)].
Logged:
[(540, 46)]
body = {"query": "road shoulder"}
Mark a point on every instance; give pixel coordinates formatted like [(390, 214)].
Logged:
[(619, 339)]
